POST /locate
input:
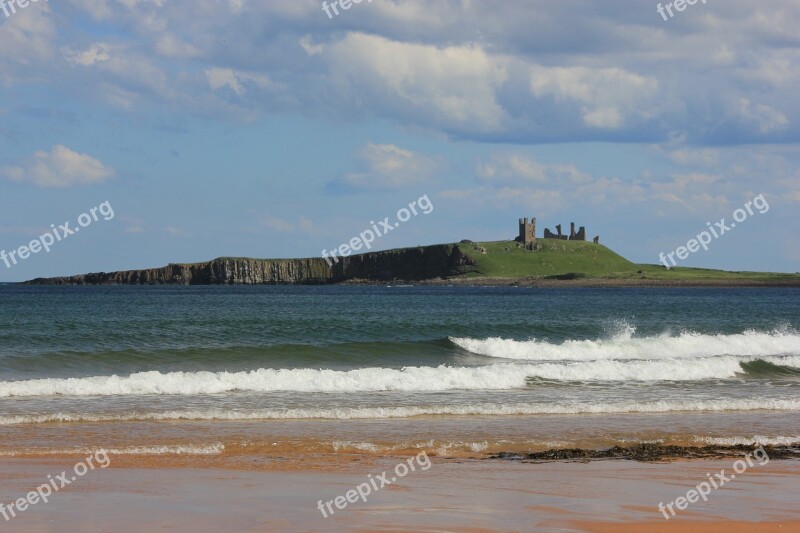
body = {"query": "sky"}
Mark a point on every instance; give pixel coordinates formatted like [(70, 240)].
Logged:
[(271, 129)]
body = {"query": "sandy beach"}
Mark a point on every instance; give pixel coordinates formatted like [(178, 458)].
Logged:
[(452, 495)]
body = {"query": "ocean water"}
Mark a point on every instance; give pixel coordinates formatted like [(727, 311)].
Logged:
[(260, 370)]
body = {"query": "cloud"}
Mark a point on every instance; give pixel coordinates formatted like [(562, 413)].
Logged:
[(122, 70), (175, 231), (517, 179), (518, 169), (606, 97), (504, 197), (60, 167), (309, 47), (94, 54), (447, 86), (707, 157), (385, 167), (763, 116), (513, 179), (174, 47), (621, 75), (28, 39), (236, 81)]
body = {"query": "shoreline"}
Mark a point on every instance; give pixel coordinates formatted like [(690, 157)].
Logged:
[(649, 453), (315, 455), (594, 283), (534, 283)]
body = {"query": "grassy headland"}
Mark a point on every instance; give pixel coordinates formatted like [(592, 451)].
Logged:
[(580, 260), (557, 263)]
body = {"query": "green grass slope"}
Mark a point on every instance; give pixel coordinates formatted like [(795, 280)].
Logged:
[(580, 259), (505, 259)]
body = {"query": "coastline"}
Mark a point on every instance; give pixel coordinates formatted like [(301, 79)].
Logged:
[(503, 263), (598, 283), (461, 281)]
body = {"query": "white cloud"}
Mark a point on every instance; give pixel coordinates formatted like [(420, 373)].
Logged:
[(61, 167), (695, 191), (453, 86), (607, 118), (484, 71), (172, 46), (311, 48), (122, 70), (515, 179), (386, 166), (540, 199), (28, 41), (517, 168), (219, 78), (94, 54), (707, 157), (606, 96), (766, 118), (175, 231)]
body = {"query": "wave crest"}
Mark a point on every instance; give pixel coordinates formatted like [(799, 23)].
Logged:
[(354, 413), (624, 346)]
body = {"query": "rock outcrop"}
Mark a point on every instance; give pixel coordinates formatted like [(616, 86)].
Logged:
[(411, 264)]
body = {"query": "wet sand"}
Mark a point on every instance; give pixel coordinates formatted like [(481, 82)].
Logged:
[(452, 495)]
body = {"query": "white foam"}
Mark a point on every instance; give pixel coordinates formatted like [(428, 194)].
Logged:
[(501, 376), (188, 449), (687, 357), (362, 446), (759, 440), (624, 346), (345, 413)]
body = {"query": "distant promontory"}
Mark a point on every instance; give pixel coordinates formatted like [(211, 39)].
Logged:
[(554, 263)]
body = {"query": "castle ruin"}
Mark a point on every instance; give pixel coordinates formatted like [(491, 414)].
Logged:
[(527, 234), (579, 235)]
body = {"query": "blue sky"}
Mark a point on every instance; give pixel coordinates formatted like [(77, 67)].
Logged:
[(266, 129)]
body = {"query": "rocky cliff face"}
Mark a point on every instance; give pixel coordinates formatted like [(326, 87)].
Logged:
[(410, 264)]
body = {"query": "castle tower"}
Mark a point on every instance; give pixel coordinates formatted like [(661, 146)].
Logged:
[(527, 233)]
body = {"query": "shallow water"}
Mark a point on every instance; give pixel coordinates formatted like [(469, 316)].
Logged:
[(461, 371)]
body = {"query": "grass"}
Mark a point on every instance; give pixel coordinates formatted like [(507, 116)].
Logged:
[(581, 259), (504, 259)]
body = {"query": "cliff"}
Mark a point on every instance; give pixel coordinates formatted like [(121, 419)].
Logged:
[(426, 262), (556, 262)]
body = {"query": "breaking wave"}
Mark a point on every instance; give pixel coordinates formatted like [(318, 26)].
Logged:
[(624, 346), (352, 413), (503, 376)]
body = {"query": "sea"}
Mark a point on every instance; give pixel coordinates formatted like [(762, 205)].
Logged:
[(268, 376)]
